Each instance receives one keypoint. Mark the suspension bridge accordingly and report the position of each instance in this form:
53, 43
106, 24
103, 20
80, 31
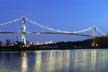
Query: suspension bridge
52, 30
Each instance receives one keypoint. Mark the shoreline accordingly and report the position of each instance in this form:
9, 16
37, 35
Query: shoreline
12, 48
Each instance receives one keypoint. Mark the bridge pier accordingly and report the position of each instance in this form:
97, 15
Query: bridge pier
94, 37
24, 31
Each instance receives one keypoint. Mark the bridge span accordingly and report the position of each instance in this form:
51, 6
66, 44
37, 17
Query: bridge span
46, 33
53, 31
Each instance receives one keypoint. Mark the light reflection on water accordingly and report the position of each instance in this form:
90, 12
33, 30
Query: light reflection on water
82, 60
24, 65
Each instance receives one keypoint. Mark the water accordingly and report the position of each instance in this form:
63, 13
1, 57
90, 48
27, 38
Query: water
84, 60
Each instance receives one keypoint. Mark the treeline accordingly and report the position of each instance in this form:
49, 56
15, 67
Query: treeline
99, 42
7, 42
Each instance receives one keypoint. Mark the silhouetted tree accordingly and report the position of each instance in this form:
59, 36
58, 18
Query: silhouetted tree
0, 43
8, 42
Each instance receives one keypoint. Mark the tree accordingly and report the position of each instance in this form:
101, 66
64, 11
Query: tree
8, 42
0, 43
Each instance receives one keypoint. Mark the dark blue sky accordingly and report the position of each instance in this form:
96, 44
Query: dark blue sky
69, 15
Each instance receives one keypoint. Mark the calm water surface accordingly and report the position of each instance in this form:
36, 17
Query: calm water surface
84, 60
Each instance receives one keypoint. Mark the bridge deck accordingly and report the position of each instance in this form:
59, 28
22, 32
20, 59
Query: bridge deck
46, 33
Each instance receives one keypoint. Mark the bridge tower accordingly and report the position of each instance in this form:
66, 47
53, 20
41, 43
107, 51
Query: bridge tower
94, 37
24, 30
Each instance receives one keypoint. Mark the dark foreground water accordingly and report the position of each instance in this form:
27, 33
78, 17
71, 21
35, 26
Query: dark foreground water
84, 60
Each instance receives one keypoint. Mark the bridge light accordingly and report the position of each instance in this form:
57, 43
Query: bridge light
38, 33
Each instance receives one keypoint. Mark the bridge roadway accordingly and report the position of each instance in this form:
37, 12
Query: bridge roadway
66, 33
